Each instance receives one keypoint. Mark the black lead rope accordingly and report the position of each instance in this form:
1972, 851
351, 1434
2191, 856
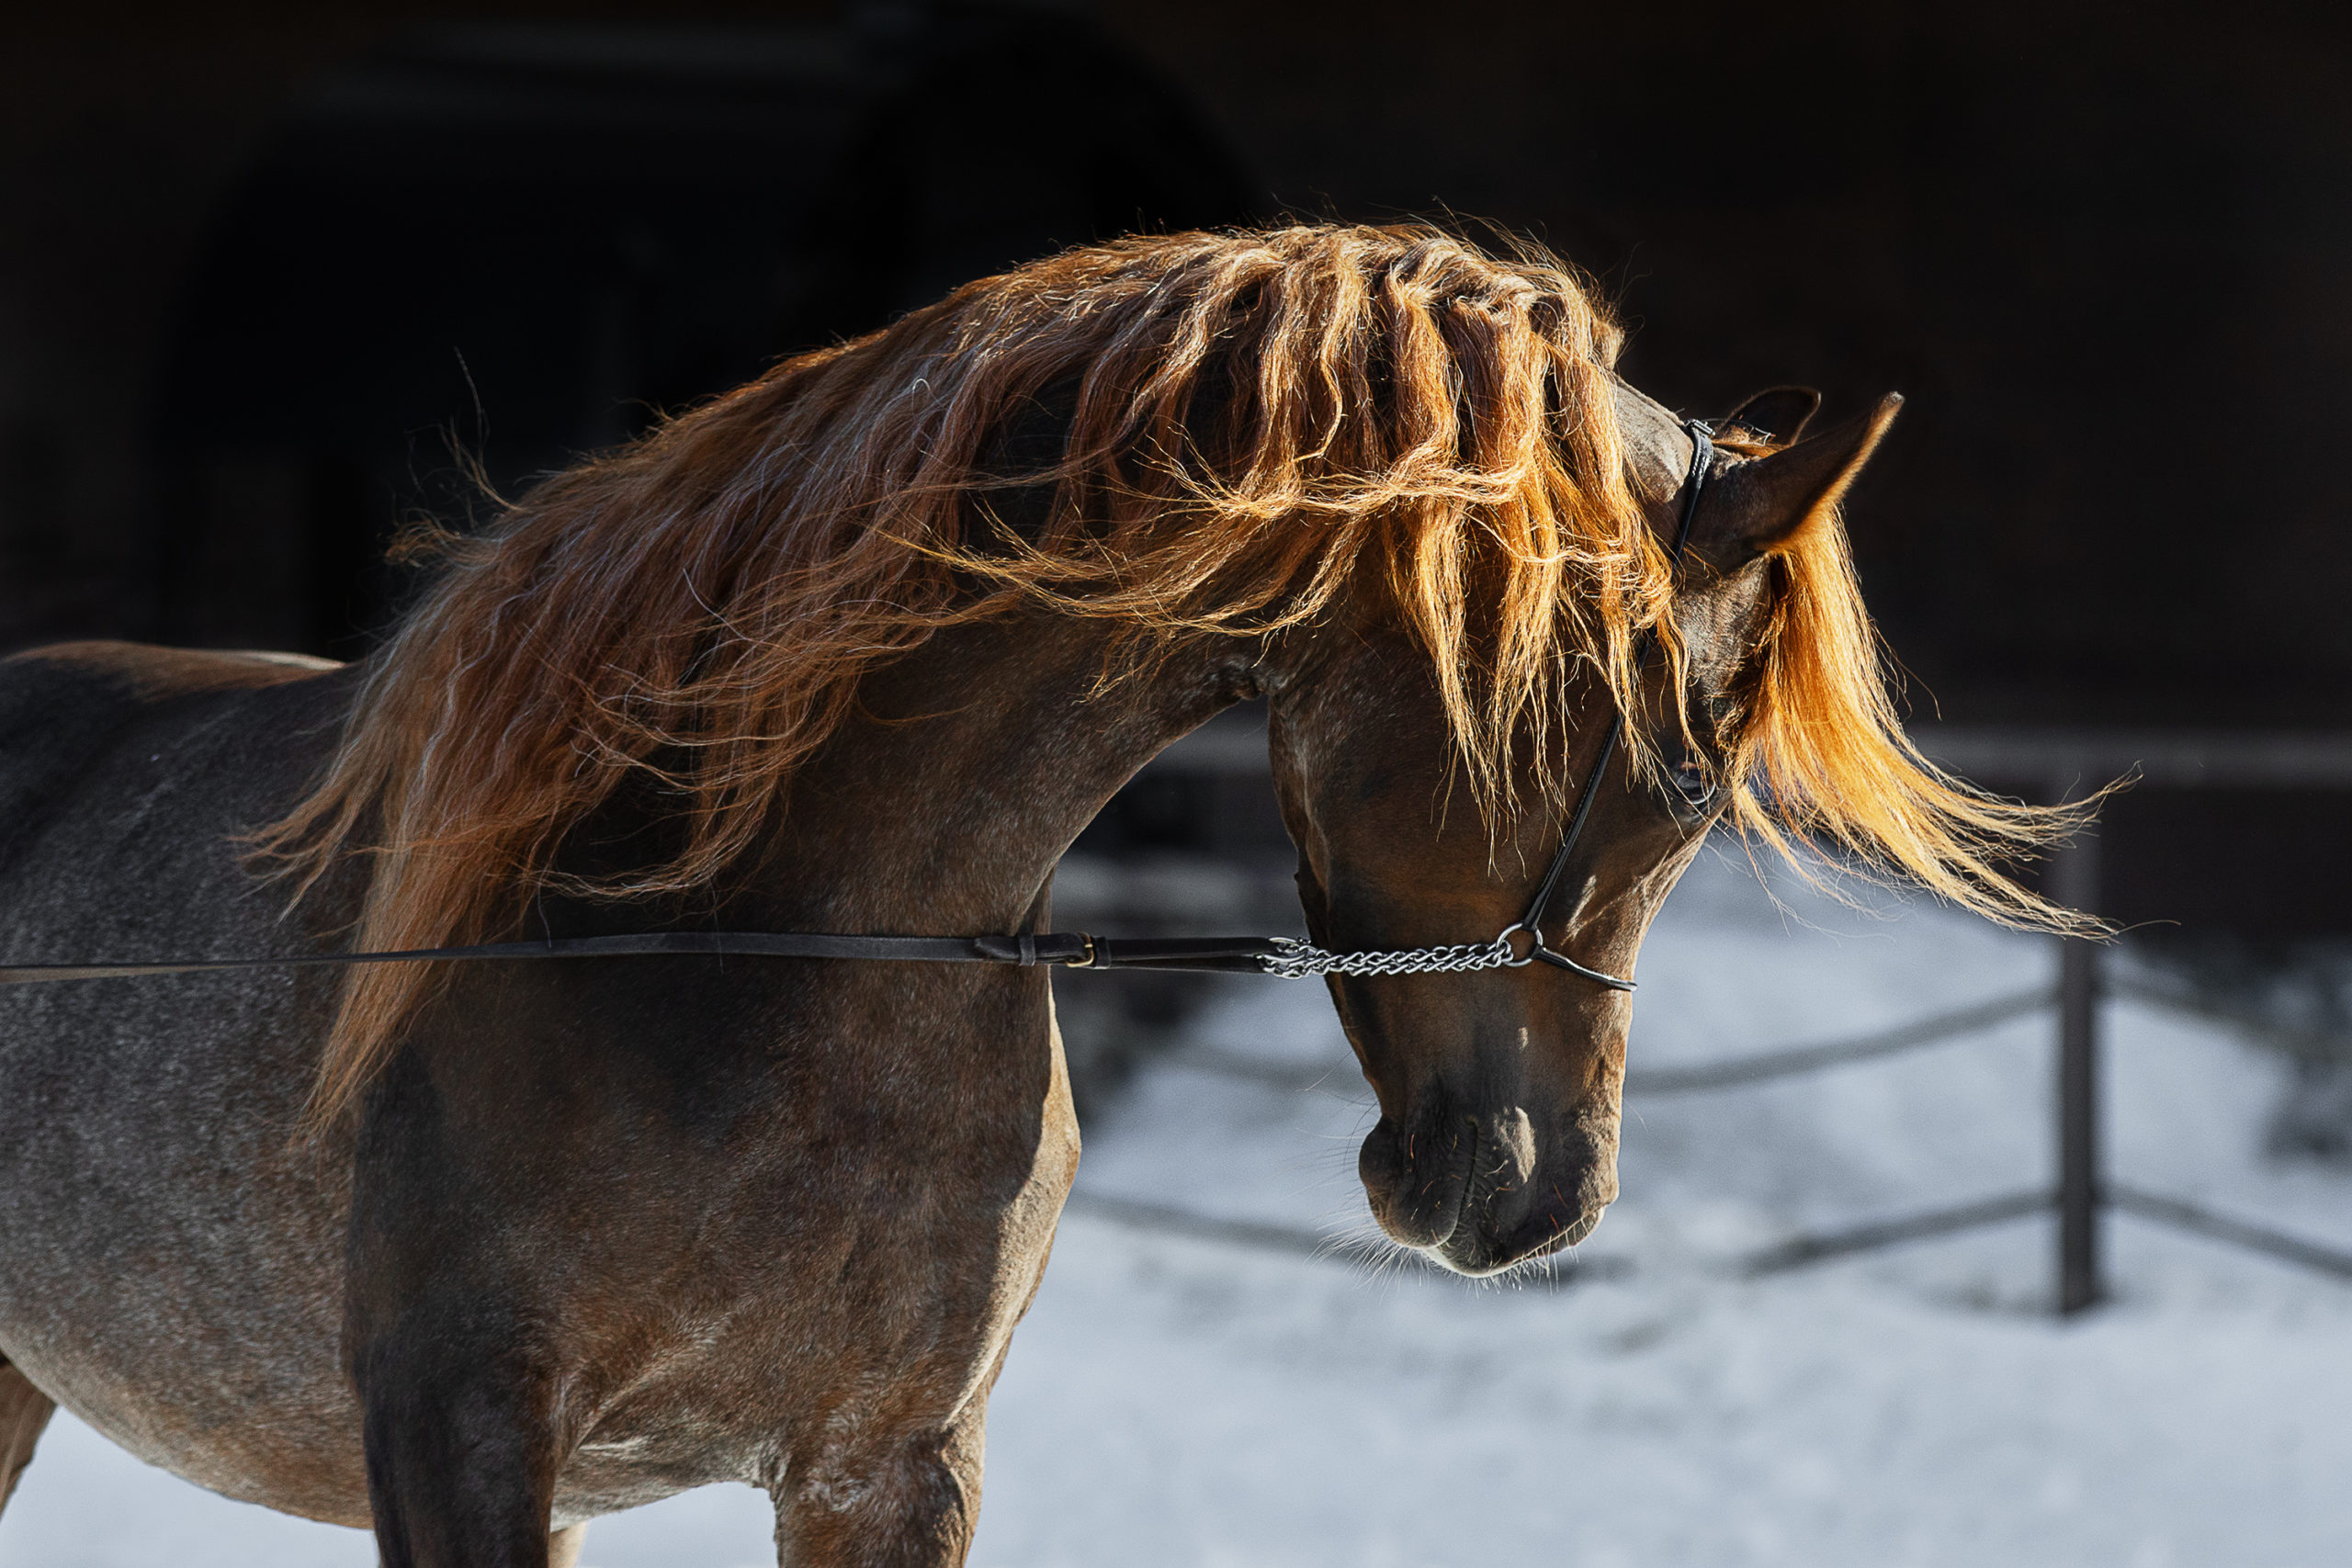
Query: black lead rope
1285, 956
1073, 950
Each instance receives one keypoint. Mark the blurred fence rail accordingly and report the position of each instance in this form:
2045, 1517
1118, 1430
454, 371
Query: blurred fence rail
2060, 765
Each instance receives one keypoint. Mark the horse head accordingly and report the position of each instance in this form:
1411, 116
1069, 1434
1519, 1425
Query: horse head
1498, 1089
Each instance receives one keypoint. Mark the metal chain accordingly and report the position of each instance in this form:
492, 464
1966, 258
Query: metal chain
1298, 959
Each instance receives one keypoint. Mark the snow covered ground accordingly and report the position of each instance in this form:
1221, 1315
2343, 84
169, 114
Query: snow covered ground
1180, 1400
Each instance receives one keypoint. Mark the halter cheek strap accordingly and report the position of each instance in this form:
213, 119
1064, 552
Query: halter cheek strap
1531, 924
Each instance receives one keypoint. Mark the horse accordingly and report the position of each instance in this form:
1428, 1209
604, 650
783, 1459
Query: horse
471, 1253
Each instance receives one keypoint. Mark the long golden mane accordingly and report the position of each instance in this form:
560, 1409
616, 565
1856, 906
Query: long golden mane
1260, 418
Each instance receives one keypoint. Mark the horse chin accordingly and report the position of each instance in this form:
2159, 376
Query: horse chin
1471, 1252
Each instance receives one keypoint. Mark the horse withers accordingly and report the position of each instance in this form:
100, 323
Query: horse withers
473, 1254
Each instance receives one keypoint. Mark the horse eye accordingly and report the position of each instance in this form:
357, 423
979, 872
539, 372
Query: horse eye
1693, 780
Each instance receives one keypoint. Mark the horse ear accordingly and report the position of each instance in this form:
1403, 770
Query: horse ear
1760, 504
1779, 414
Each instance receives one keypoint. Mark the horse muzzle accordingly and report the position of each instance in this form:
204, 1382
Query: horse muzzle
1481, 1189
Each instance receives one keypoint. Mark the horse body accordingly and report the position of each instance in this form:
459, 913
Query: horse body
477, 1259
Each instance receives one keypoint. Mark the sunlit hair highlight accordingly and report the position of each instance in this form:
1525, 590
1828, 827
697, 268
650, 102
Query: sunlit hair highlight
1820, 762
1260, 422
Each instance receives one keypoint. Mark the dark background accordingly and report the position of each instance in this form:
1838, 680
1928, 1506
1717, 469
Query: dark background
266, 269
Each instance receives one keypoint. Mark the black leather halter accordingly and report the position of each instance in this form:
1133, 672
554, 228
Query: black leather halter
1072, 949
1531, 924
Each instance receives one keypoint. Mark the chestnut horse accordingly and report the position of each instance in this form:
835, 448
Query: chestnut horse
476, 1253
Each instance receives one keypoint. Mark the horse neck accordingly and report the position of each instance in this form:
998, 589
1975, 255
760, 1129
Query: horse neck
942, 806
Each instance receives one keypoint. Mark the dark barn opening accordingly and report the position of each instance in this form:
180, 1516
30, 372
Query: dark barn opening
483, 252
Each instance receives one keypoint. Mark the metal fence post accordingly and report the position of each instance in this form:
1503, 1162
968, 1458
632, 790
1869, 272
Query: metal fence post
2074, 881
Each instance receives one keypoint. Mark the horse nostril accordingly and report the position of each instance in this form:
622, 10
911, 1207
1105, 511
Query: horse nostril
1416, 1180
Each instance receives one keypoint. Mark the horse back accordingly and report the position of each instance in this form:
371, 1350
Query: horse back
67, 710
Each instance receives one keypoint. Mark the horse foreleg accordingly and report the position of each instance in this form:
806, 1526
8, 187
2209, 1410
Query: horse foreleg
24, 1411
909, 1504
563, 1546
461, 1462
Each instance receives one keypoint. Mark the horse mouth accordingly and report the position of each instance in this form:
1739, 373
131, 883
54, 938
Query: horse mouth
1475, 1254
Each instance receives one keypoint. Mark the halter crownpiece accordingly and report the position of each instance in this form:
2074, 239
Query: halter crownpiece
1286, 957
